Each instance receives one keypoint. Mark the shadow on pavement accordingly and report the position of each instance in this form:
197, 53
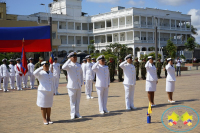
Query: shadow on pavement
104, 115
72, 121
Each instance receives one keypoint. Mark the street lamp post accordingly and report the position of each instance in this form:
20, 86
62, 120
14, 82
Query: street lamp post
156, 41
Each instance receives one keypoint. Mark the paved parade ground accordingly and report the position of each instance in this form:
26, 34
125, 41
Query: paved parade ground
19, 113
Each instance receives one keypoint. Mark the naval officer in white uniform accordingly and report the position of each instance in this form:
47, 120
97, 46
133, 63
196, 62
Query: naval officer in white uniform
151, 79
18, 74
102, 83
56, 74
45, 91
88, 76
129, 81
12, 74
5, 73
170, 80
30, 72
75, 81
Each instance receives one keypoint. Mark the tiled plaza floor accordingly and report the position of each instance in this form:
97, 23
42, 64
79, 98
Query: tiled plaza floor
19, 113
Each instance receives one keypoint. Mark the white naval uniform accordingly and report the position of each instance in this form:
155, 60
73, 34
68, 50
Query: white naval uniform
45, 89
12, 76
171, 78
56, 75
25, 80
129, 83
82, 67
5, 74
30, 74
151, 79
102, 84
88, 77
18, 77
0, 78
75, 81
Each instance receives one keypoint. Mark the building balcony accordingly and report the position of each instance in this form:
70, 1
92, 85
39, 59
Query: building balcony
75, 45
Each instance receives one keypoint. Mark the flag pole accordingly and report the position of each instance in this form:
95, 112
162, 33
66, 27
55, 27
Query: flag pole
50, 23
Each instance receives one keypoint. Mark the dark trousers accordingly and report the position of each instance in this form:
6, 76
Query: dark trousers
178, 69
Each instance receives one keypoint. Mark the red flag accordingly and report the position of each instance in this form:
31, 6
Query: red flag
24, 68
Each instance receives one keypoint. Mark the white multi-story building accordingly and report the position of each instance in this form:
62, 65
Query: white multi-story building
134, 27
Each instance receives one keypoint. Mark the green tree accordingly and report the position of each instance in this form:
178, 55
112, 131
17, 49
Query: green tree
154, 55
193, 29
190, 45
171, 49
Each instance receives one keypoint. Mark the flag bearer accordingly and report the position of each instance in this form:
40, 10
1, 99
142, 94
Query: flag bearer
56, 74
12, 74
5, 74
88, 77
25, 79
30, 72
129, 81
18, 74
75, 81
102, 83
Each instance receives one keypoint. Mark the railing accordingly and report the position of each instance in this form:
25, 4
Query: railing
121, 26
99, 29
114, 27
136, 25
108, 28
129, 25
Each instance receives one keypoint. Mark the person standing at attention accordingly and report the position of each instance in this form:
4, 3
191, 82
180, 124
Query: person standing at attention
129, 81
170, 81
102, 83
151, 79
45, 91
30, 71
75, 81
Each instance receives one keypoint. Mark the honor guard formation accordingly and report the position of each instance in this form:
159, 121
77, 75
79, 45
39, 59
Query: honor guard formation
89, 72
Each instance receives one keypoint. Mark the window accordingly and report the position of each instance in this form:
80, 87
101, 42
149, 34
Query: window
53, 35
1, 15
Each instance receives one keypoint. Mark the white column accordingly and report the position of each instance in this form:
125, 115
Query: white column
175, 24
93, 26
81, 26
118, 22
190, 25
88, 26
133, 36
159, 24
125, 36
105, 24
153, 37
147, 36
81, 39
88, 40
111, 22
74, 39
74, 26
180, 25
66, 25
146, 21
170, 23
112, 38
106, 38
118, 37
140, 35
58, 24
67, 39
185, 25
132, 20
152, 22
140, 21
94, 39
125, 21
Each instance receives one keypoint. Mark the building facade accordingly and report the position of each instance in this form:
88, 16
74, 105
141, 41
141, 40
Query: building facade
134, 27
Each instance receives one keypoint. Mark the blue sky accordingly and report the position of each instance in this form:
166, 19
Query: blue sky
93, 7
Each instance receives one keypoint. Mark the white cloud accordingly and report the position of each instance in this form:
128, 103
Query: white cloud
104, 1
195, 22
136, 3
175, 2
